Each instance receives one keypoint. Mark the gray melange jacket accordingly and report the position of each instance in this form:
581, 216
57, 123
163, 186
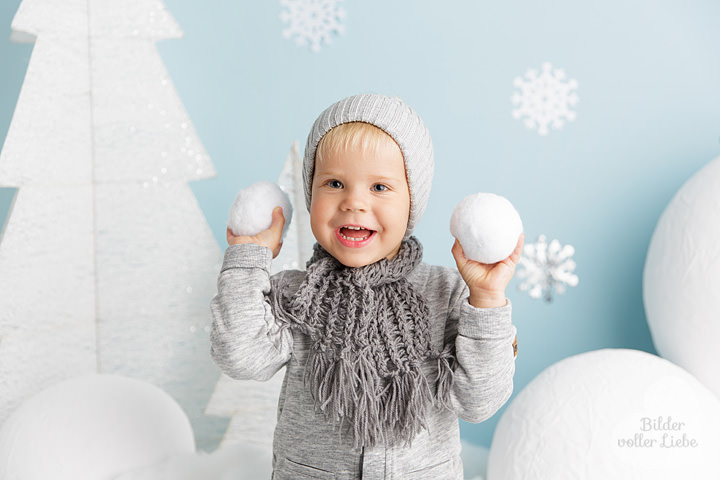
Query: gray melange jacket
249, 343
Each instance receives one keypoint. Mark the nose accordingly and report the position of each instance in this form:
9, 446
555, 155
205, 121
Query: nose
354, 200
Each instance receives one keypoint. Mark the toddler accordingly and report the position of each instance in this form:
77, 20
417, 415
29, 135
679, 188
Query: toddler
382, 352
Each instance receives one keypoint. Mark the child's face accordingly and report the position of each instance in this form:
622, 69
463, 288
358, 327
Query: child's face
360, 203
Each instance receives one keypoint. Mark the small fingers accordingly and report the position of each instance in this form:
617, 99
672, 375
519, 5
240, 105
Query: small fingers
458, 252
278, 220
233, 239
276, 251
517, 253
458, 248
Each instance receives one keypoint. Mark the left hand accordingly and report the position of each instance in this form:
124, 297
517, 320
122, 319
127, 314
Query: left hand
487, 282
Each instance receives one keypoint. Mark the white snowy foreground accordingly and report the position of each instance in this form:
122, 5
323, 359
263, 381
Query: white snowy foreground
237, 462
249, 462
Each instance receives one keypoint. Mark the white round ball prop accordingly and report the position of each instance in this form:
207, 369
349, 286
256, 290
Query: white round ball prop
681, 281
474, 459
92, 427
487, 226
609, 414
251, 212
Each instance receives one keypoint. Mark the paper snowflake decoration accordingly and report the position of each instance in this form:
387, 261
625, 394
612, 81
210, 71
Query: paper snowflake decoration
545, 268
312, 22
545, 99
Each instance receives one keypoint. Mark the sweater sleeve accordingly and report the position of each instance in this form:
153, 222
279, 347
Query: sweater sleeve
485, 360
246, 340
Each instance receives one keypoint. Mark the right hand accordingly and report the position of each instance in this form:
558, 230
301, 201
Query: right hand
270, 238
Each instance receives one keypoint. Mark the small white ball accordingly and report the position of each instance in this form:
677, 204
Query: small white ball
251, 213
487, 226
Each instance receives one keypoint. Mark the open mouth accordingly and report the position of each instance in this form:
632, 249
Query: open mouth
355, 234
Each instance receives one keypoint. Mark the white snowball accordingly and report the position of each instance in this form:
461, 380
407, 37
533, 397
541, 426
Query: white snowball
487, 226
92, 427
609, 414
251, 213
681, 280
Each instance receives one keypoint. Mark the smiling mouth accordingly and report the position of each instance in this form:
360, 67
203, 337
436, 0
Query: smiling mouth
354, 233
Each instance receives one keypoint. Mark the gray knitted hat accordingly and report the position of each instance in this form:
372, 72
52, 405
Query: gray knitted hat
399, 121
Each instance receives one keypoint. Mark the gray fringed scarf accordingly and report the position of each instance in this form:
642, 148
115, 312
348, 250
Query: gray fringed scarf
370, 336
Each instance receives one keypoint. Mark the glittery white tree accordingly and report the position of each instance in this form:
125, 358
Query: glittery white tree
298, 244
546, 268
47, 260
252, 405
107, 262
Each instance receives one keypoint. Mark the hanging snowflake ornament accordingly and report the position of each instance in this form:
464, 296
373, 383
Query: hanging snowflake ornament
545, 99
312, 22
545, 268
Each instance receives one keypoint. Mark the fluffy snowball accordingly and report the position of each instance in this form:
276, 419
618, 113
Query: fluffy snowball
487, 226
251, 213
92, 427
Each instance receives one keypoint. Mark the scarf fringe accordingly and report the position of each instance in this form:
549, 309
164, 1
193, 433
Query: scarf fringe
444, 379
346, 392
405, 406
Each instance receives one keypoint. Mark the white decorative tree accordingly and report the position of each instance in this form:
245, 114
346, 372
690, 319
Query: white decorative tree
298, 244
107, 262
252, 405
47, 258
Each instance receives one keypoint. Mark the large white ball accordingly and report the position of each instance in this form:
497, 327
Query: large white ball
609, 414
251, 212
681, 281
90, 428
474, 459
487, 226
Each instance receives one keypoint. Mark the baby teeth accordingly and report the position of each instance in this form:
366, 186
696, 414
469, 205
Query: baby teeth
354, 228
354, 239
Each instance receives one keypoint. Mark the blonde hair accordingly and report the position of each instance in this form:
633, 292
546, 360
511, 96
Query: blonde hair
352, 135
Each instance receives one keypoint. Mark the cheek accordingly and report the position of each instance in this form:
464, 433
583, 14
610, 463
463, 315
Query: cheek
317, 206
406, 208
318, 215
314, 214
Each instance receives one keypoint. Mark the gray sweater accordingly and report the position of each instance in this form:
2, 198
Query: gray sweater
249, 343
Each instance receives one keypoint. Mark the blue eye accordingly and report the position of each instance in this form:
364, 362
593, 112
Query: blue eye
379, 187
334, 184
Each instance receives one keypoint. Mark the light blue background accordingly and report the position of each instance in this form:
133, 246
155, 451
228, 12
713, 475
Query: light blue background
648, 117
